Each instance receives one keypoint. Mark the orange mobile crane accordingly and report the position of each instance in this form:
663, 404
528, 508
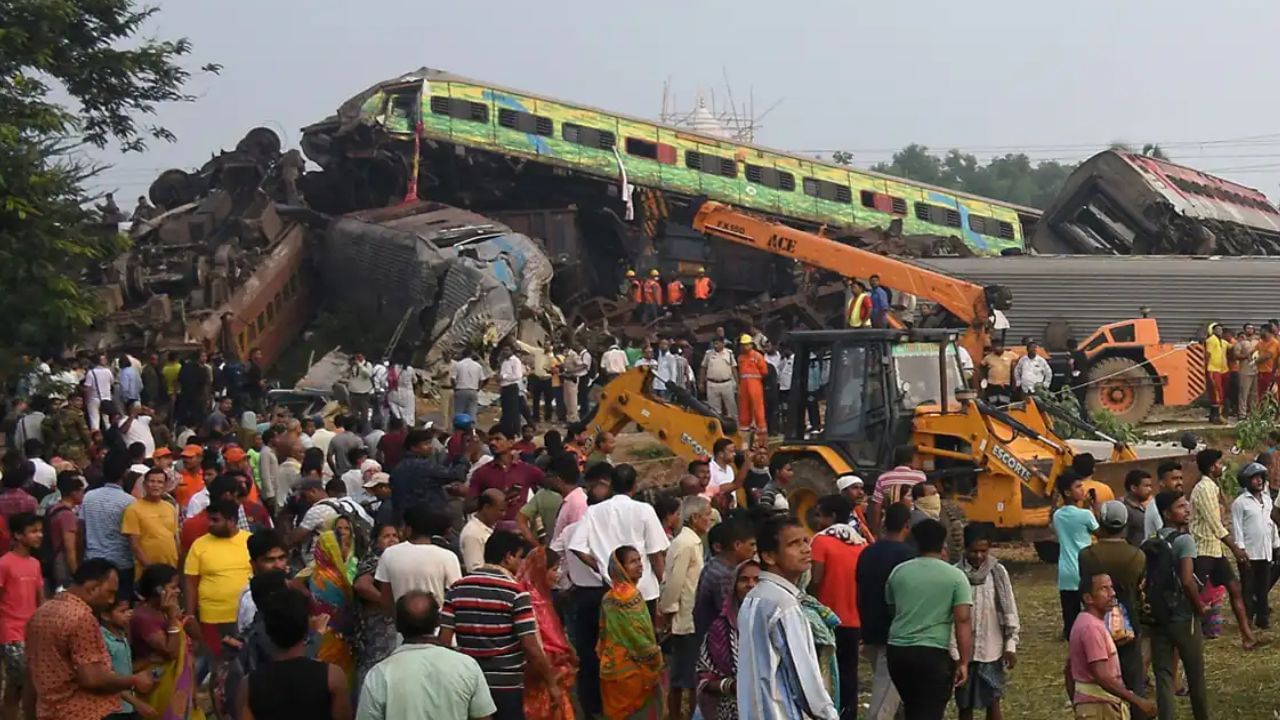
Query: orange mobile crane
959, 304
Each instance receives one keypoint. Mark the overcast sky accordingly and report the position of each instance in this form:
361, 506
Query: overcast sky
1056, 80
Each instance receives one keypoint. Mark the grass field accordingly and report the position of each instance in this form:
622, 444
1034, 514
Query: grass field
1242, 686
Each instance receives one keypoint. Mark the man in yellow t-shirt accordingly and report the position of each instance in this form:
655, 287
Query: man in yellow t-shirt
1216, 348
217, 569
151, 524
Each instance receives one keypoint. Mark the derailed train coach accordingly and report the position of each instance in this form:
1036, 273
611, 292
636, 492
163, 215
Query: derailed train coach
1123, 203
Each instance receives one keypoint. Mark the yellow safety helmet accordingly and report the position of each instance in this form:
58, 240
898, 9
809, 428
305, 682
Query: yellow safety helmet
653, 273
702, 271
631, 273
745, 340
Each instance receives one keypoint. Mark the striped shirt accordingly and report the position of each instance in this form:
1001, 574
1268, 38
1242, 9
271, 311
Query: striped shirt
897, 477
489, 612
103, 512
1206, 519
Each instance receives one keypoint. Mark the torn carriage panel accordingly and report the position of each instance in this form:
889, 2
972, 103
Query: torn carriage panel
1122, 203
468, 279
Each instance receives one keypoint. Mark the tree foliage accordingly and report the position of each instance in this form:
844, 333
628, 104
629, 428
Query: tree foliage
1011, 177
88, 52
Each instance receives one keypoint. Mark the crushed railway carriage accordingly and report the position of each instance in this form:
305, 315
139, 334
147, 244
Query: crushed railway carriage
1121, 203
448, 118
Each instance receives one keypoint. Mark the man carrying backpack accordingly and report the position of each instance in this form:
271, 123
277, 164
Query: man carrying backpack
1173, 607
1113, 556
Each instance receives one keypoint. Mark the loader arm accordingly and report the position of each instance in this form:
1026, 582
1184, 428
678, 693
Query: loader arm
965, 301
689, 430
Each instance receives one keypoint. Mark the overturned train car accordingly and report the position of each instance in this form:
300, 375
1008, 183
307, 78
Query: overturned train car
1122, 203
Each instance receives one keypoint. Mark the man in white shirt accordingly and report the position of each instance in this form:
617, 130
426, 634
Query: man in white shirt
614, 362
97, 390
491, 506
468, 375
720, 379
45, 475
319, 435
135, 426
510, 379
572, 371
723, 473
416, 563
1256, 532
360, 390
604, 528
1032, 371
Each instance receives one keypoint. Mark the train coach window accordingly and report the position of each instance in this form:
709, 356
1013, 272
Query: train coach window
883, 202
937, 215
827, 190
525, 122
587, 137
662, 152
990, 227
459, 108
710, 164
770, 177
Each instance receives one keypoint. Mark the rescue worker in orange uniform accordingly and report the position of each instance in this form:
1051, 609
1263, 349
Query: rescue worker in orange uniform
652, 297
630, 290
703, 287
752, 370
675, 295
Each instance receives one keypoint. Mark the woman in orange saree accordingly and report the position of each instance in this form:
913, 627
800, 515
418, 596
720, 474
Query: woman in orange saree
631, 670
539, 574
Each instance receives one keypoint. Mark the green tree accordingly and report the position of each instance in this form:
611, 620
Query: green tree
1011, 178
88, 52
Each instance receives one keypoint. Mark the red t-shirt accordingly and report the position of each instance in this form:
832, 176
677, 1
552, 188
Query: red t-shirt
515, 482
840, 577
20, 581
193, 529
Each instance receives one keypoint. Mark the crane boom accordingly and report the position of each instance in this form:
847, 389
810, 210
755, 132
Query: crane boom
968, 304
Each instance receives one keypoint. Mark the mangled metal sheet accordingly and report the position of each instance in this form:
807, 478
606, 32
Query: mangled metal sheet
468, 279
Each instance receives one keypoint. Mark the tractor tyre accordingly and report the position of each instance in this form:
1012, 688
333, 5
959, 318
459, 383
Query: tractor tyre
1121, 387
1047, 551
811, 479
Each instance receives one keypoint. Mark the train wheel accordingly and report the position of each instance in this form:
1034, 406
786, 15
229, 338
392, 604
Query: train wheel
1122, 388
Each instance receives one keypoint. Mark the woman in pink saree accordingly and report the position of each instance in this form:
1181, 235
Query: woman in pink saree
539, 573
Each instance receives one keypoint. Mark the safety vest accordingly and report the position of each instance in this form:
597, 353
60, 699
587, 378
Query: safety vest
702, 288
652, 292
635, 290
856, 319
675, 292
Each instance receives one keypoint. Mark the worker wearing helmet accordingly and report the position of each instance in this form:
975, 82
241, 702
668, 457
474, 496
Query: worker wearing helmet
631, 290
752, 370
703, 288
651, 295
1254, 532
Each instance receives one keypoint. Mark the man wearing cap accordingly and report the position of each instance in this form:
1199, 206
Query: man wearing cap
190, 475
853, 488
719, 375
1251, 519
1112, 555
378, 487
